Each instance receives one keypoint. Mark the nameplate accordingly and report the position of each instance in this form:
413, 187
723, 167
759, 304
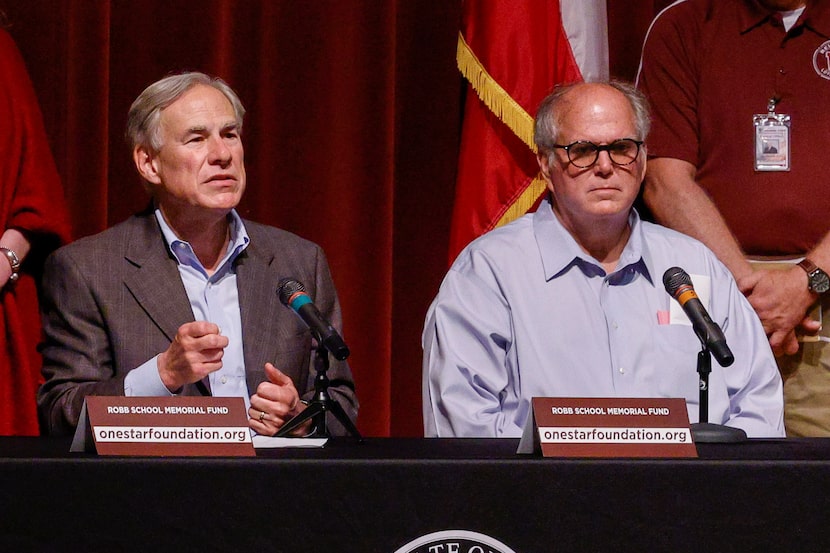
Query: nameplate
608, 427
165, 426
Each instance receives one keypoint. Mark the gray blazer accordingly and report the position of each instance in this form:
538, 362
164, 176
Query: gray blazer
114, 300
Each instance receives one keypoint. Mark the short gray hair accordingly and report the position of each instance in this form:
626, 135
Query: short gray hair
145, 112
546, 125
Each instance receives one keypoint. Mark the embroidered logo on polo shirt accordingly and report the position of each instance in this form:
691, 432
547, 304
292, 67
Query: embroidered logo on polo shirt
821, 60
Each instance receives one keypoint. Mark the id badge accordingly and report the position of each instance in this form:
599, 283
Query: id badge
772, 141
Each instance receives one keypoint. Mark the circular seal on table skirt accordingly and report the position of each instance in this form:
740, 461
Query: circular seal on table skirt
462, 541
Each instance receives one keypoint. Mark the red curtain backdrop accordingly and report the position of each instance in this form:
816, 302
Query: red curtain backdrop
351, 138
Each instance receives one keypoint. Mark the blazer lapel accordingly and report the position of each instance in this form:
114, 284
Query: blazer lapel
257, 303
152, 277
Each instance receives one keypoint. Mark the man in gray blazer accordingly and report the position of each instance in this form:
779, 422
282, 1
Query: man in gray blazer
182, 298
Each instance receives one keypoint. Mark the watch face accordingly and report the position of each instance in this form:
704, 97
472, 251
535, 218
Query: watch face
819, 282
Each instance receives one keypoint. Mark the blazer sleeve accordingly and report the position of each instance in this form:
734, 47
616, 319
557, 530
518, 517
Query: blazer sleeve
77, 358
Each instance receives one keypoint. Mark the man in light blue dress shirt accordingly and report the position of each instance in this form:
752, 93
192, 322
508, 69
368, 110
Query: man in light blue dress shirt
569, 301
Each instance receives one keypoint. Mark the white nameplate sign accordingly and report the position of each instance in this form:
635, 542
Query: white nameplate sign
608, 427
188, 426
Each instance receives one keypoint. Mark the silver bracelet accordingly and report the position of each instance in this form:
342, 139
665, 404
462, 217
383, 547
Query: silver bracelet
14, 261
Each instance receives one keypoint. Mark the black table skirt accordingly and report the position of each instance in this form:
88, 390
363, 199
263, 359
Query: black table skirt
384, 493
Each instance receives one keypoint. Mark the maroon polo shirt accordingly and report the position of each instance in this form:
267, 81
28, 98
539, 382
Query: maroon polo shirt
708, 66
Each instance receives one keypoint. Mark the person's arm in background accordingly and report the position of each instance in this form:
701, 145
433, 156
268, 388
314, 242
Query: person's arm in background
678, 202
31, 195
17, 243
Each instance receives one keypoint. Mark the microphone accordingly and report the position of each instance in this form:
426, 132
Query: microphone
678, 284
292, 294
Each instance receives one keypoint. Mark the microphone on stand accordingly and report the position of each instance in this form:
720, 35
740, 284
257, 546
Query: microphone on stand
292, 294
678, 284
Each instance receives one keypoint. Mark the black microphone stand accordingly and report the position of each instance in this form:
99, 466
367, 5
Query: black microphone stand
320, 404
705, 431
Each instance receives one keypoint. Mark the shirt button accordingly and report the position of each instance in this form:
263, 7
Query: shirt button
622, 370
224, 380
615, 325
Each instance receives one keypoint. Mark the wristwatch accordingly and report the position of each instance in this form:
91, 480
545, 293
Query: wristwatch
14, 261
818, 281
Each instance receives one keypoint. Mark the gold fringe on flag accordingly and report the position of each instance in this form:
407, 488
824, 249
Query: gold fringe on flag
493, 95
524, 202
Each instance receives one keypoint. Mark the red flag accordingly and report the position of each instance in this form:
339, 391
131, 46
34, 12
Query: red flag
513, 52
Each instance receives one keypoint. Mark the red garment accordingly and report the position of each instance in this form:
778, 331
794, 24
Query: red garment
708, 66
31, 200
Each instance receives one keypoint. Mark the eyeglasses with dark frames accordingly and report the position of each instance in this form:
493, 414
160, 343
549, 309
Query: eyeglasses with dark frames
584, 154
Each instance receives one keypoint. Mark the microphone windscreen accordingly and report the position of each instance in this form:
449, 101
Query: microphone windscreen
287, 288
674, 278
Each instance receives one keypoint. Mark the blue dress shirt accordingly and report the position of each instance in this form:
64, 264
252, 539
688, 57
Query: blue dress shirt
213, 298
524, 312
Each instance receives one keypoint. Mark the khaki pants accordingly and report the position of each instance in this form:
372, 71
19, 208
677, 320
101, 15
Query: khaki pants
806, 378
807, 389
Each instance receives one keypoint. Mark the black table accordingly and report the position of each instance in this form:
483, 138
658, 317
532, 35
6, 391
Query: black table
382, 494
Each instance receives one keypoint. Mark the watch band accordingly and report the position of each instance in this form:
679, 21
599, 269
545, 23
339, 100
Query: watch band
808, 266
14, 261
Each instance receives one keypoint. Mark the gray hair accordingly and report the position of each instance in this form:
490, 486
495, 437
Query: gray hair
145, 112
546, 125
